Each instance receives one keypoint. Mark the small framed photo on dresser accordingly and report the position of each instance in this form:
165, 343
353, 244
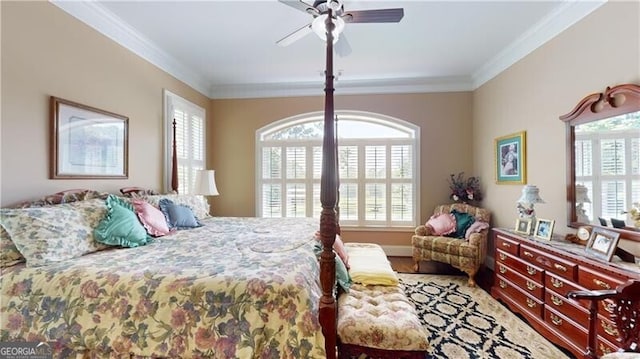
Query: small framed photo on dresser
523, 225
602, 243
544, 228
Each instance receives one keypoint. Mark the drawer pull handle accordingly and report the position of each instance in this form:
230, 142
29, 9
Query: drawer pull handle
503, 285
531, 286
560, 267
556, 320
505, 244
528, 254
503, 269
557, 301
609, 329
602, 284
556, 283
503, 256
609, 307
531, 303
531, 270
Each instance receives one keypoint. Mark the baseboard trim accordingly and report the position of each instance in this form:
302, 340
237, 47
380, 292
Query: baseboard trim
397, 251
407, 251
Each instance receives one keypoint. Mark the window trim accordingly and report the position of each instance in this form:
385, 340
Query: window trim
170, 101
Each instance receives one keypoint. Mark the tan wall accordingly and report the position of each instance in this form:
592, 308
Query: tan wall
446, 138
46, 52
601, 50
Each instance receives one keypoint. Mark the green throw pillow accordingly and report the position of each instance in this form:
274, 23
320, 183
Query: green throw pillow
120, 226
342, 274
463, 222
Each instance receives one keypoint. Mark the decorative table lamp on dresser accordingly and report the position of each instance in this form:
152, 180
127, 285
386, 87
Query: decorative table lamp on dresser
530, 196
206, 183
582, 197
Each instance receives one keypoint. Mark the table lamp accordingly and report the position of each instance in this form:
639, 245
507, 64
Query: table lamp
530, 196
582, 197
206, 183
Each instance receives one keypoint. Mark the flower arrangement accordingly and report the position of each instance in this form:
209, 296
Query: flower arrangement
464, 190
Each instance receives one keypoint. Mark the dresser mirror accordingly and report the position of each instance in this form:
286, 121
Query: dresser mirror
603, 157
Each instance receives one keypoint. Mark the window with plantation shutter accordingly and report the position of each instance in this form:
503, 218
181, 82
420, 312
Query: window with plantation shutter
190, 140
608, 163
377, 164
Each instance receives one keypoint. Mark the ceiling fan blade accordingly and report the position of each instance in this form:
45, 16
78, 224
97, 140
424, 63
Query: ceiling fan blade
295, 36
301, 5
342, 47
380, 15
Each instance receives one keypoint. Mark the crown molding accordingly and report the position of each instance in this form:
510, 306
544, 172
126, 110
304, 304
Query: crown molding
344, 87
551, 25
106, 23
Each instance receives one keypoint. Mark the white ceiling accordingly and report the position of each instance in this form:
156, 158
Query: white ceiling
227, 49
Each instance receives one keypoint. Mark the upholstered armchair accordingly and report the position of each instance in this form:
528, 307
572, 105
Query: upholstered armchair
455, 234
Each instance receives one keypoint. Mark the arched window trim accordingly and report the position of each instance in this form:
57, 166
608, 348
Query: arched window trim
413, 139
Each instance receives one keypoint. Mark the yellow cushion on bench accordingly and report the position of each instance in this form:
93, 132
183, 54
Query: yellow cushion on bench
369, 265
380, 317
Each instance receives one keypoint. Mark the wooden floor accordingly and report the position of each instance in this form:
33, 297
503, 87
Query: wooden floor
484, 278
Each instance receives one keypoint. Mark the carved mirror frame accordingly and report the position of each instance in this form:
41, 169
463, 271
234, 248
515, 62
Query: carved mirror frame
614, 101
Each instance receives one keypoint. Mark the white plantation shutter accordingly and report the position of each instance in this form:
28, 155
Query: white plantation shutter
584, 156
608, 163
377, 166
190, 140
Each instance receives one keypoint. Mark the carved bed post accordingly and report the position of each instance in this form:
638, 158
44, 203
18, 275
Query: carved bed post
328, 219
174, 161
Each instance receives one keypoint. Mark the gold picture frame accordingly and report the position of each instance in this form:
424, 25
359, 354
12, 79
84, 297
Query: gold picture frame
523, 226
544, 228
511, 158
87, 143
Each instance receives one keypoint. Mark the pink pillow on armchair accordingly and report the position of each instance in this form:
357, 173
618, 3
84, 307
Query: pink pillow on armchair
151, 218
442, 224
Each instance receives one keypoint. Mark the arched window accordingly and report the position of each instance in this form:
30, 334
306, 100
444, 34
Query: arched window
377, 160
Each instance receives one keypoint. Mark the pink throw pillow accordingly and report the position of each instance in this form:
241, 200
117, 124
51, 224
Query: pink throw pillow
338, 246
151, 218
476, 227
442, 224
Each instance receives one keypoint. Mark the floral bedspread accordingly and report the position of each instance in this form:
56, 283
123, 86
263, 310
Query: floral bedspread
234, 288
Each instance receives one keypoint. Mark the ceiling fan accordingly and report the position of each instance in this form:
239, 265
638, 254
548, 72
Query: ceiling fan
320, 11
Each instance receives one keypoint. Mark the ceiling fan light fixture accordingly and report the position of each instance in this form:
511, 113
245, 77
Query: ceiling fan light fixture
319, 27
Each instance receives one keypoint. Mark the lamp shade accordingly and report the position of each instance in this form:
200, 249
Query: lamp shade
530, 194
582, 195
320, 28
206, 183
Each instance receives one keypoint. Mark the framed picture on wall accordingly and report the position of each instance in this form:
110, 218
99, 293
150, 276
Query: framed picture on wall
510, 159
87, 142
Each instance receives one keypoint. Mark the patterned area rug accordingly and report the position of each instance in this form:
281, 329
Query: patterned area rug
465, 322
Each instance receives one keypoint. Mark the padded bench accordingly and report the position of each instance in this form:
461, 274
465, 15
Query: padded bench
377, 320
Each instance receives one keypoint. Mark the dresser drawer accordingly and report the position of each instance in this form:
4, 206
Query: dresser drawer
549, 262
528, 303
526, 284
570, 329
527, 269
560, 285
607, 328
591, 279
568, 307
507, 245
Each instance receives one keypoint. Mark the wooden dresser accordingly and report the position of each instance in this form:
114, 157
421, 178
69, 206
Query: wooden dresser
533, 276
